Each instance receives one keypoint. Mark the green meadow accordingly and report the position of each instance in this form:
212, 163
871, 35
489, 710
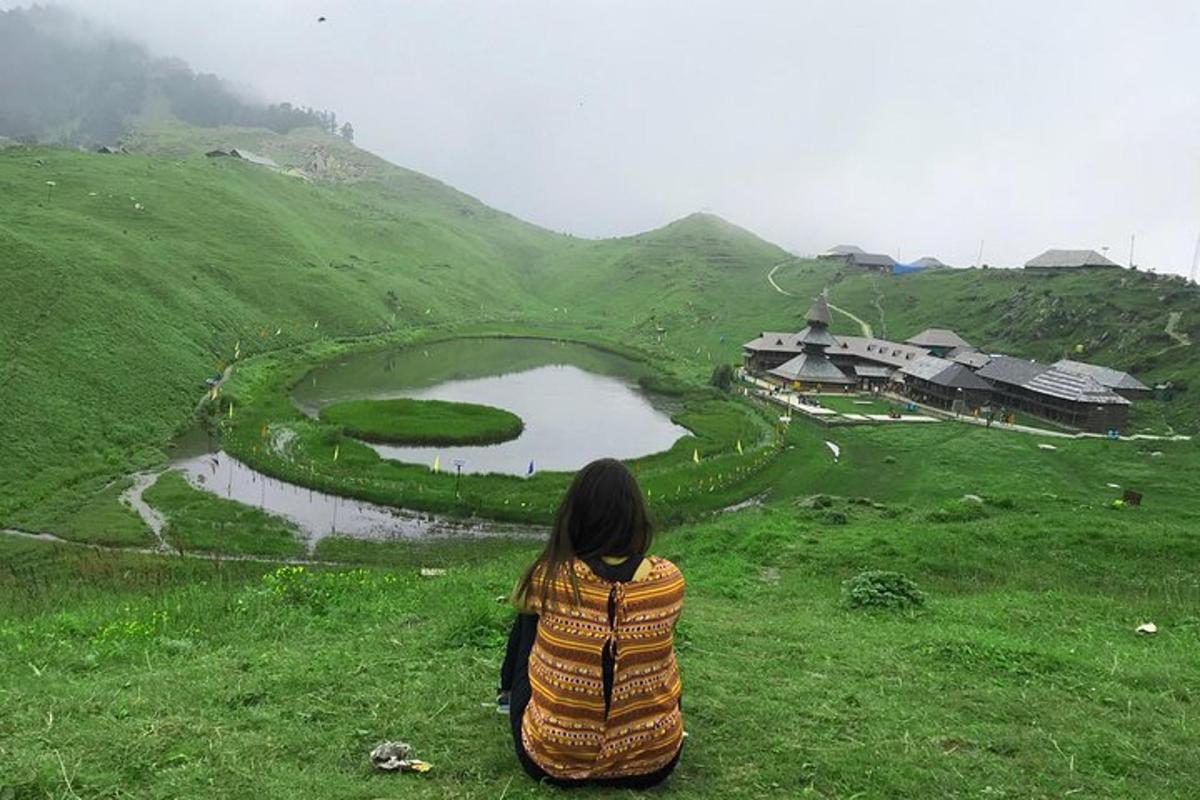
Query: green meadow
407, 421
219, 669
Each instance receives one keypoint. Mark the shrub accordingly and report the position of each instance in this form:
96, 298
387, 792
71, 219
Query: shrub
722, 377
815, 501
317, 591
836, 518
663, 384
881, 589
958, 511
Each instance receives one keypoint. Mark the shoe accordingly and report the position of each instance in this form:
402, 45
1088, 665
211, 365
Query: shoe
503, 702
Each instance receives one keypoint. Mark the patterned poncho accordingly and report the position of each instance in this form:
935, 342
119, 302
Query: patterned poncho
571, 729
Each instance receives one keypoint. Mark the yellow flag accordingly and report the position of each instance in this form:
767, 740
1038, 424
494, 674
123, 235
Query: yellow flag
739, 447
231, 410
696, 456
337, 448
437, 463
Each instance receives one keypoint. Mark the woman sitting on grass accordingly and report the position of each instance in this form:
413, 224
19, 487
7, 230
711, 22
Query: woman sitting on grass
590, 675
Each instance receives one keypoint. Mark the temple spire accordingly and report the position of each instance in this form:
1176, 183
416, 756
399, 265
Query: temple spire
818, 313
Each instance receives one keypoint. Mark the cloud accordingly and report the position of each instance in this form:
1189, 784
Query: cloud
914, 128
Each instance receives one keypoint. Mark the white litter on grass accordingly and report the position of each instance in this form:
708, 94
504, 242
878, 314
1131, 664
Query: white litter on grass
1113, 485
785, 420
1147, 628
1046, 447
432, 572
837, 451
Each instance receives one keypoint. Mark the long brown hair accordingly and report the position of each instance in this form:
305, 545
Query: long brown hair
602, 514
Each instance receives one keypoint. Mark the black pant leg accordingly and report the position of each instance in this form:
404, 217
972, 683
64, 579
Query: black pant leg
511, 650
514, 678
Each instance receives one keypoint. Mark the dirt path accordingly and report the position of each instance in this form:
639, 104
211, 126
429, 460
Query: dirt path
1172, 323
877, 301
168, 552
862, 323
866, 328
771, 279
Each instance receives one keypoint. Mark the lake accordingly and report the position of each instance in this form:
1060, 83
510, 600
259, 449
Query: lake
578, 403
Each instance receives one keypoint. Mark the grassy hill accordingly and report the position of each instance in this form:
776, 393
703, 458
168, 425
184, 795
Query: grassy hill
1022, 675
132, 278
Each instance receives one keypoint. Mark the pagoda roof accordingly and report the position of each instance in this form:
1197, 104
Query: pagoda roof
811, 368
818, 312
816, 335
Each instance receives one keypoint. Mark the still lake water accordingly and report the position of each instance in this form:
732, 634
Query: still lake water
577, 403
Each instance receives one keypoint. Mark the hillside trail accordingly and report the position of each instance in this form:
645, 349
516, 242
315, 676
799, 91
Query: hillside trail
862, 323
771, 279
170, 552
866, 328
877, 301
1181, 339
1171, 330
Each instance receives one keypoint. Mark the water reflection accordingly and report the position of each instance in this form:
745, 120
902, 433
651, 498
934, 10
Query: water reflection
577, 403
319, 515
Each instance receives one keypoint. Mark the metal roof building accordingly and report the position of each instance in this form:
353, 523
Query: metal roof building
943, 383
1055, 394
1069, 260
873, 261
969, 358
879, 351
939, 341
1122, 383
839, 252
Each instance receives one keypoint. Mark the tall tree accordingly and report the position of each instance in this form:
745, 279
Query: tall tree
348, 132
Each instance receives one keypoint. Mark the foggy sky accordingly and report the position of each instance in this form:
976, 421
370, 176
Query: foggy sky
913, 128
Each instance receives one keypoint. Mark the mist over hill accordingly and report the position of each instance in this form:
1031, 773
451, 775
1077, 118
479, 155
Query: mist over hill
65, 80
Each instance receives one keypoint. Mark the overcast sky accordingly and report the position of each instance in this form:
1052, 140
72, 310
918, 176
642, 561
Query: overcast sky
916, 127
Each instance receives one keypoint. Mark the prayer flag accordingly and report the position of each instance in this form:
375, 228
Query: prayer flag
231, 410
437, 463
739, 447
696, 456
529, 471
337, 448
